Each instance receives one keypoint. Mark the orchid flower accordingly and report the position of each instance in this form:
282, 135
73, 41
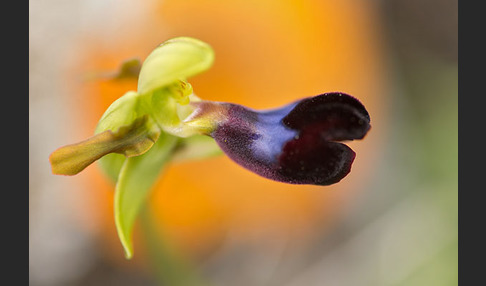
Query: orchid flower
299, 143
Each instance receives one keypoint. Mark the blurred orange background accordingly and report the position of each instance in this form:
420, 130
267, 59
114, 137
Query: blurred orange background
268, 53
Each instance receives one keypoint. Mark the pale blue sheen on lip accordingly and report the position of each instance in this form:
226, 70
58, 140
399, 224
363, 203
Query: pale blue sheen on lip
272, 133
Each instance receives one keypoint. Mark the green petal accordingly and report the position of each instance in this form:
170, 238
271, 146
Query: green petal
175, 59
135, 180
130, 140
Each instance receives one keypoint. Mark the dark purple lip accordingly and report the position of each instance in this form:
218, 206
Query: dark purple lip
297, 143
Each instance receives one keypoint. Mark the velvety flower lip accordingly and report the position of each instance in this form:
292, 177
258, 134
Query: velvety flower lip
297, 143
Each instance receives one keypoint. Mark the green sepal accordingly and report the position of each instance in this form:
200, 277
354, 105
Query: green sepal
175, 59
196, 147
136, 179
111, 165
122, 111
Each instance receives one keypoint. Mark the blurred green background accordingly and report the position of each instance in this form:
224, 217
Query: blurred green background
392, 222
